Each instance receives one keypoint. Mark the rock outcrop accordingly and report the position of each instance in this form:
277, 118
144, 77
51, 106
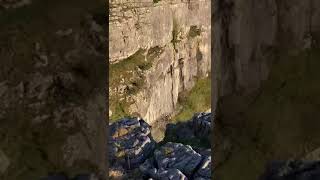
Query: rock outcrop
198, 130
130, 142
161, 47
132, 147
178, 156
179, 161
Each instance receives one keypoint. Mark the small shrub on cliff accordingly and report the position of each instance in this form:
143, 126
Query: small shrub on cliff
194, 31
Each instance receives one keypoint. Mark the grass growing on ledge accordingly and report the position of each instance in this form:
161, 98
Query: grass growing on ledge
129, 72
125, 70
198, 99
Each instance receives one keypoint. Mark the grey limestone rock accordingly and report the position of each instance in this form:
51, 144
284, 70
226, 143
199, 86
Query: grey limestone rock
177, 161
204, 171
171, 174
130, 141
179, 156
202, 125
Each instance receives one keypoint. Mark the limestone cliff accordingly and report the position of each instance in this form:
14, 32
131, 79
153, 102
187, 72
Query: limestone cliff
157, 49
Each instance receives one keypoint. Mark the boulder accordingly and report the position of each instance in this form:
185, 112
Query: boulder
177, 161
130, 141
202, 124
195, 132
204, 171
172, 174
179, 156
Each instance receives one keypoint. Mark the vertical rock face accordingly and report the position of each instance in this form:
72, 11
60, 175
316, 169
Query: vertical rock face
245, 32
170, 39
249, 33
265, 55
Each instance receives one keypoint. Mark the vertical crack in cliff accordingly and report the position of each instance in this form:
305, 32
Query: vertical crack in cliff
172, 87
180, 66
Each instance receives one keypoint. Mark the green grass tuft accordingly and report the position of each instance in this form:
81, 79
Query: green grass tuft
130, 71
196, 100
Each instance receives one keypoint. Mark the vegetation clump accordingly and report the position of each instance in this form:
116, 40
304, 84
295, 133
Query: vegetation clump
156, 1
198, 99
194, 31
129, 73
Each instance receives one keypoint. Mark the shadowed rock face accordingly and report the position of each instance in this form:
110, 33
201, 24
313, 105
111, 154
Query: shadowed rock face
78, 177
265, 55
52, 90
198, 130
292, 170
248, 34
14, 3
